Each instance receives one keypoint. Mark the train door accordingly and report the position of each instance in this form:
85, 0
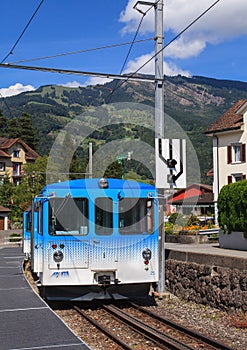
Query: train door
26, 236
37, 235
104, 252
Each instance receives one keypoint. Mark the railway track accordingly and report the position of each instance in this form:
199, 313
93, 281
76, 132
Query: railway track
157, 332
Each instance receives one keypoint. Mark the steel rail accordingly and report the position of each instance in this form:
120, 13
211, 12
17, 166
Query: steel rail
108, 333
183, 329
162, 340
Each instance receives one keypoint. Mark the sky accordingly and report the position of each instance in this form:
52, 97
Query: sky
214, 46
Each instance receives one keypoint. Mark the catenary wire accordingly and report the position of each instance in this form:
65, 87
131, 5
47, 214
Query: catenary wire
22, 33
169, 43
14, 46
130, 76
81, 51
108, 98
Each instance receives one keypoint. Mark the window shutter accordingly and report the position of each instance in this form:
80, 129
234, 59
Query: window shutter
243, 153
229, 154
243, 177
229, 179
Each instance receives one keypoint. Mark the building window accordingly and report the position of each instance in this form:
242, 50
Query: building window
16, 153
236, 178
2, 166
236, 153
16, 169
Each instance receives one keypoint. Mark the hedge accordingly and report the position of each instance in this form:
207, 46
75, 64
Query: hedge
232, 207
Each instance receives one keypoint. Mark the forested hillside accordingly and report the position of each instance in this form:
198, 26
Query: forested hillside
193, 102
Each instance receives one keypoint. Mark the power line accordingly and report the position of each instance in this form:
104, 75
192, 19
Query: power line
108, 98
81, 51
22, 33
126, 77
178, 35
169, 43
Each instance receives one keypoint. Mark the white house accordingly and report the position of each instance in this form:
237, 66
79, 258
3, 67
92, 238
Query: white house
229, 134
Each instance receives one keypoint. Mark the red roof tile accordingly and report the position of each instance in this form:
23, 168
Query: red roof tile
230, 120
195, 191
3, 209
4, 154
7, 143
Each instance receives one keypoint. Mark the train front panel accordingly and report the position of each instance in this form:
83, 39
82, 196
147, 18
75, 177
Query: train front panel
100, 237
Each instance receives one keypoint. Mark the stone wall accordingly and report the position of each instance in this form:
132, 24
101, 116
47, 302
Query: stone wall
220, 287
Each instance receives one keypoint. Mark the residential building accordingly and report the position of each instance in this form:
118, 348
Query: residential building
196, 199
4, 212
14, 153
229, 134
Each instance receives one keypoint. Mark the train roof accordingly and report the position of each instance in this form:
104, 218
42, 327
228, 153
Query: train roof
94, 183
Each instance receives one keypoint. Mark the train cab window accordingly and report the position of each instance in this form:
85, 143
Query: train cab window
103, 216
38, 210
68, 216
136, 216
29, 221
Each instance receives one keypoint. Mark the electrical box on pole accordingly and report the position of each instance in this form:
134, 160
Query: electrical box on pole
171, 163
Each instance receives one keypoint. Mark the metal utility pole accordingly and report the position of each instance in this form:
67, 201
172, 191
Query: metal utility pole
159, 75
159, 128
90, 163
159, 122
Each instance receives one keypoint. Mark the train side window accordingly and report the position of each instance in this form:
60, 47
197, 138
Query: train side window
38, 209
136, 216
29, 221
103, 216
68, 216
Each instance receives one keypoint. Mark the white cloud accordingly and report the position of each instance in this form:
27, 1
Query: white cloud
182, 48
15, 89
72, 84
96, 80
226, 20
169, 68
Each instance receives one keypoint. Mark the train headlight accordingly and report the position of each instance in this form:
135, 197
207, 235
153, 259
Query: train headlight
147, 254
103, 183
58, 256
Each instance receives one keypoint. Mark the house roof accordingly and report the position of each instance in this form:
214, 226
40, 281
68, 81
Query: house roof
6, 143
195, 193
4, 154
232, 119
3, 209
210, 172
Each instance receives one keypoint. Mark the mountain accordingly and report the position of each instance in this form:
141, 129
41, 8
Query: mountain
192, 102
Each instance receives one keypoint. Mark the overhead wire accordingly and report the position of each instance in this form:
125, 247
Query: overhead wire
128, 77
22, 33
169, 43
108, 98
14, 46
81, 51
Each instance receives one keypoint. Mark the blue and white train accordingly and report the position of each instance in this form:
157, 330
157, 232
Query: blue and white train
93, 239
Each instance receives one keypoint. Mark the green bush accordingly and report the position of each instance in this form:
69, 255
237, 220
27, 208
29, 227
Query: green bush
169, 228
232, 207
15, 237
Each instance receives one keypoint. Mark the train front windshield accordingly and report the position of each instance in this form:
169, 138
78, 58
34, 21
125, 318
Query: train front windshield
136, 216
68, 216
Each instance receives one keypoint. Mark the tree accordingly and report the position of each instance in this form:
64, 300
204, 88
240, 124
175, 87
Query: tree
13, 128
7, 189
3, 125
23, 128
27, 132
33, 180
